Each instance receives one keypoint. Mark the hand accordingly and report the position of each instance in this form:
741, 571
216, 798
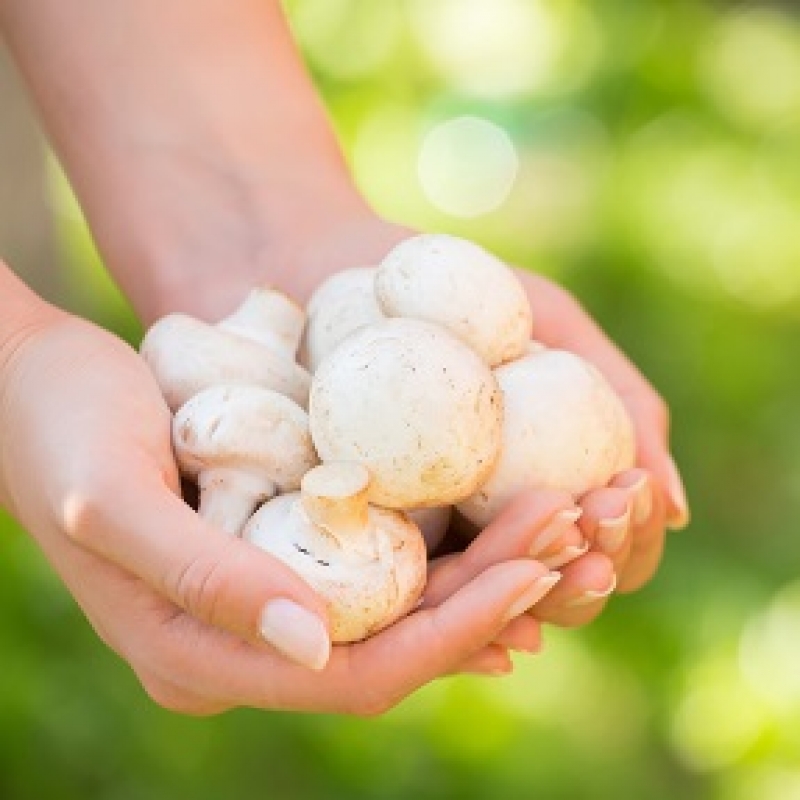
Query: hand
86, 466
624, 523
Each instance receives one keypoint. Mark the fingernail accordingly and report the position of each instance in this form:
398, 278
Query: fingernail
678, 516
533, 594
295, 632
592, 596
642, 498
611, 533
558, 526
566, 556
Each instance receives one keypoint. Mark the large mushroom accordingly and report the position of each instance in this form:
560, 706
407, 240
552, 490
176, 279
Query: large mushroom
241, 444
255, 345
413, 404
455, 283
367, 563
564, 428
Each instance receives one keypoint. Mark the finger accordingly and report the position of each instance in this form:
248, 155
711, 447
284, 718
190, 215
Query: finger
568, 547
647, 547
368, 677
493, 661
531, 521
651, 422
606, 523
581, 594
638, 484
148, 531
523, 634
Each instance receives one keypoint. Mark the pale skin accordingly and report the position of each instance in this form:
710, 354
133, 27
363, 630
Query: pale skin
205, 163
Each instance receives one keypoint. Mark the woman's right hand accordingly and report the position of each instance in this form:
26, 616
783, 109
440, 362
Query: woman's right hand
206, 621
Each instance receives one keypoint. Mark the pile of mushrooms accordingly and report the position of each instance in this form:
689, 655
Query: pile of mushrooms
418, 390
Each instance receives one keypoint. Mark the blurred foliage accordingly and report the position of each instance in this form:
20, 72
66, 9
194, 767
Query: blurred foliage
647, 154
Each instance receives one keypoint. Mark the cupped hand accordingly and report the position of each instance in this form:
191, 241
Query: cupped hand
207, 621
623, 525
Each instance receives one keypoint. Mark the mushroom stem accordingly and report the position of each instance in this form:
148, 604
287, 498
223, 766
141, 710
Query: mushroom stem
229, 497
269, 318
334, 497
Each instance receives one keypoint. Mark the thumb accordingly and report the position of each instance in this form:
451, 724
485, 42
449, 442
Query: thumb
221, 580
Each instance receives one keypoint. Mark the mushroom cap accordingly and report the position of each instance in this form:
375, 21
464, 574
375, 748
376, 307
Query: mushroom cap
564, 428
245, 428
459, 285
340, 305
268, 317
413, 404
187, 356
365, 588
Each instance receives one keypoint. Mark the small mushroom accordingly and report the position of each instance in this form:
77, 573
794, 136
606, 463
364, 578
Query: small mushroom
413, 404
367, 563
342, 304
564, 428
241, 444
255, 345
457, 284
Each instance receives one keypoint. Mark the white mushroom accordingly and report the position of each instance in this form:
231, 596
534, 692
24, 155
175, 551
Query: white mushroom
340, 305
367, 563
461, 286
413, 404
254, 345
564, 428
241, 444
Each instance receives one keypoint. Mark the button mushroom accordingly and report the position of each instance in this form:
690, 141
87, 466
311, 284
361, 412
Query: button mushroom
241, 444
413, 404
340, 305
457, 284
564, 428
367, 563
254, 345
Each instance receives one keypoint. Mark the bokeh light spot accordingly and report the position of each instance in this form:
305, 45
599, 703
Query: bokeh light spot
467, 166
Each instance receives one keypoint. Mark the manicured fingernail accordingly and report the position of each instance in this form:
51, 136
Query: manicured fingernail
558, 526
678, 516
642, 498
533, 594
611, 533
566, 556
592, 596
297, 633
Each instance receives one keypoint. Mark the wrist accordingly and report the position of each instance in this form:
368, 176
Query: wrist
290, 239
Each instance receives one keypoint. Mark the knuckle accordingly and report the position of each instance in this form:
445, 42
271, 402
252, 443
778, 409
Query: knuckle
202, 583
659, 411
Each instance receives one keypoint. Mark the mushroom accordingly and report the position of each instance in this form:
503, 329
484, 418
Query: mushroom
340, 305
241, 444
367, 563
461, 286
564, 428
413, 404
254, 345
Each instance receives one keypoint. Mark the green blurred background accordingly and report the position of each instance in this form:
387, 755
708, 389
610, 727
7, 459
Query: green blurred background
647, 155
